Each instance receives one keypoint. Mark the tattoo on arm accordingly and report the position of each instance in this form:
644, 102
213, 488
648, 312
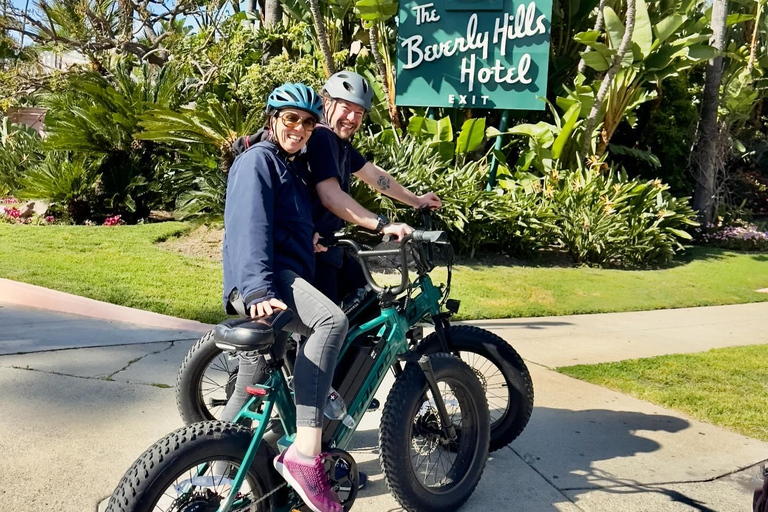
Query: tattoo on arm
383, 182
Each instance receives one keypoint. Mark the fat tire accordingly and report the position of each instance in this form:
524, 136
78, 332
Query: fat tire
189, 401
163, 462
395, 436
468, 338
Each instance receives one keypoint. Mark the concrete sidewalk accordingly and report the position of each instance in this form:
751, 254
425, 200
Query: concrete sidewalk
73, 419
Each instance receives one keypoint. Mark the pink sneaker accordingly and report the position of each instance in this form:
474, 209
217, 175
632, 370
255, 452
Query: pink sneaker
308, 479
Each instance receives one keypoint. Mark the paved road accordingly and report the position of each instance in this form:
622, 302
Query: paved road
73, 419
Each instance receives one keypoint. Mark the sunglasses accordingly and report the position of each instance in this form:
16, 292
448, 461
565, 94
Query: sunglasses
291, 120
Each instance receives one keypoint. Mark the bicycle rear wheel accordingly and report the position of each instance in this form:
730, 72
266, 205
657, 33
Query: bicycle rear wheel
191, 470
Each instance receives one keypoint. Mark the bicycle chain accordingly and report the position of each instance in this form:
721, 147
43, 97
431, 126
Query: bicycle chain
253, 504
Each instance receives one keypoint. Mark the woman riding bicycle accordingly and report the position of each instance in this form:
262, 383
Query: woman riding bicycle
269, 261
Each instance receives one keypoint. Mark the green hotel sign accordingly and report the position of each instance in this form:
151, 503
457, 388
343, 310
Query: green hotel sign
473, 53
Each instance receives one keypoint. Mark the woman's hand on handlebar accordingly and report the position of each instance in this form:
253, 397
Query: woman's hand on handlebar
397, 229
267, 307
429, 200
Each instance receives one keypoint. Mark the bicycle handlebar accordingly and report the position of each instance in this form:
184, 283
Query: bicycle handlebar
418, 236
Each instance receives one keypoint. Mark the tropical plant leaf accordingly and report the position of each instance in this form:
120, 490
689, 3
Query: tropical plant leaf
596, 61
642, 34
700, 52
471, 136
570, 117
668, 26
376, 10
614, 27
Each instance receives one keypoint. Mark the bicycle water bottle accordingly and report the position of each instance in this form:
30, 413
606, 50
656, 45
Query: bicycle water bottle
335, 409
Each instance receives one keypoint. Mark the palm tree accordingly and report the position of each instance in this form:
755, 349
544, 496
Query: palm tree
384, 74
708, 129
319, 22
273, 12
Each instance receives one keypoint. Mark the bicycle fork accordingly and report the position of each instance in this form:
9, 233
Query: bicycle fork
448, 429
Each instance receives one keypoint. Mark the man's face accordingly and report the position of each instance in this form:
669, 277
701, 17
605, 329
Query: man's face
343, 117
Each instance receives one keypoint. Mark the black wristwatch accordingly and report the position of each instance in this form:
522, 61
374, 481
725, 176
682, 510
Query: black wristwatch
383, 221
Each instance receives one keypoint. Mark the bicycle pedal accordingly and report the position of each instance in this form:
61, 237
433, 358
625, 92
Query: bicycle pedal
374, 405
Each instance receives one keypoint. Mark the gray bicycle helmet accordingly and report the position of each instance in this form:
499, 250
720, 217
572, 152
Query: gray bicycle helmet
348, 85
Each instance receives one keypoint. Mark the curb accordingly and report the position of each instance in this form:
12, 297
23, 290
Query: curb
37, 297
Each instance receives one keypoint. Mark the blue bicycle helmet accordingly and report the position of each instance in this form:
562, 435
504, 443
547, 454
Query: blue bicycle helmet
295, 96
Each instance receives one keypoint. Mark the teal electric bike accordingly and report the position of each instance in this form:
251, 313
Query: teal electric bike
435, 427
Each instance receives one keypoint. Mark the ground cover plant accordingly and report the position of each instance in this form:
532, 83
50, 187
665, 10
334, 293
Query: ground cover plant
124, 265
725, 387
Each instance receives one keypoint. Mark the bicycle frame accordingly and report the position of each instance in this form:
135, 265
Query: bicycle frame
390, 327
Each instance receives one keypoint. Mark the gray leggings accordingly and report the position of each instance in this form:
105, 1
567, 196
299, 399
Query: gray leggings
325, 327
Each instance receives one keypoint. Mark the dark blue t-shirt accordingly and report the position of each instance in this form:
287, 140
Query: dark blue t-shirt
328, 156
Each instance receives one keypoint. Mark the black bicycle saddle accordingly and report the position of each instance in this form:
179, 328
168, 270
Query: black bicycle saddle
251, 334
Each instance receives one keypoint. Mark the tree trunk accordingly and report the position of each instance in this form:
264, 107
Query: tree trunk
373, 34
598, 27
708, 130
626, 41
317, 18
273, 12
126, 20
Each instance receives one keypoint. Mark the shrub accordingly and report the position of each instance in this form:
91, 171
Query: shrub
19, 151
597, 217
666, 127
476, 219
750, 189
738, 235
604, 217
68, 183
99, 116
260, 80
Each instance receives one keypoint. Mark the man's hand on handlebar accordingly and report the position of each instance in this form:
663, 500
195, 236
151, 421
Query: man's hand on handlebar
397, 229
429, 200
319, 247
267, 307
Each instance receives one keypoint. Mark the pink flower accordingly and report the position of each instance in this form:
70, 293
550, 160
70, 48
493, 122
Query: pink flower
49, 219
114, 221
13, 213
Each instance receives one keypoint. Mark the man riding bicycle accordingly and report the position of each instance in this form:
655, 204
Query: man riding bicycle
347, 98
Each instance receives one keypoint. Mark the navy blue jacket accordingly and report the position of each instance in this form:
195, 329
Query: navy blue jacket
267, 223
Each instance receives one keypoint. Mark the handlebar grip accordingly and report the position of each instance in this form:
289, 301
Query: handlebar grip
437, 237
328, 242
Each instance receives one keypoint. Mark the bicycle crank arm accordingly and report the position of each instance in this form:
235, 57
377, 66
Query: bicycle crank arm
426, 366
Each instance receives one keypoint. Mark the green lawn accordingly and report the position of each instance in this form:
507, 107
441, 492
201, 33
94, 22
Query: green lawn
123, 265
727, 387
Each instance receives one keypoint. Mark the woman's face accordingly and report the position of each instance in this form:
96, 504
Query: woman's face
292, 128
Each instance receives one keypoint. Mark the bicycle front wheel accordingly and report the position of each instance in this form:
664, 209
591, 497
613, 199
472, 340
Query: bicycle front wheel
425, 470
